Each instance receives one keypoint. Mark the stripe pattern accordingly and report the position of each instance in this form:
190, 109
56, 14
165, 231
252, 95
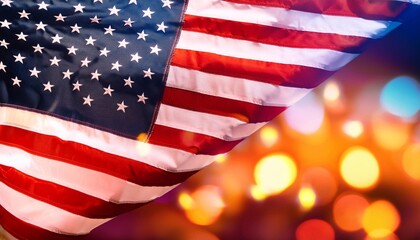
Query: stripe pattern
237, 64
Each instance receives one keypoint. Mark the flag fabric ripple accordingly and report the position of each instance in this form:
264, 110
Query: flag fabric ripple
106, 105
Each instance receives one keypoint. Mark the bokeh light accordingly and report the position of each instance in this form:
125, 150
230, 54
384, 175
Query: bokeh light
348, 211
269, 135
274, 173
307, 115
315, 229
359, 168
204, 206
380, 219
401, 97
389, 132
353, 128
411, 160
322, 183
307, 198
331, 91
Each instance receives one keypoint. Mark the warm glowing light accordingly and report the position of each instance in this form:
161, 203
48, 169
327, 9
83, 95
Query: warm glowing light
269, 136
331, 92
353, 128
221, 158
390, 132
401, 97
380, 219
322, 183
257, 194
315, 229
143, 148
359, 168
185, 201
348, 211
305, 116
307, 198
205, 206
274, 173
389, 237
411, 161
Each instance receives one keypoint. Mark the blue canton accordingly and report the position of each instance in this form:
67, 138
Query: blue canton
101, 63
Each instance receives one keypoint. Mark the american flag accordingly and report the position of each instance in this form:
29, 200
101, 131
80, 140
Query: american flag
106, 105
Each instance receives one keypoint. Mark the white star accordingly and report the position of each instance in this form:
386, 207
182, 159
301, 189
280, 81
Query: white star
90, 41
104, 52
133, 2
4, 44
16, 81
161, 27
123, 43
167, 3
88, 100
34, 72
21, 36
67, 74
5, 24
109, 30
121, 106
43, 5
38, 48
48, 86
148, 73
135, 57
55, 61
142, 98
19, 58
78, 8
155, 50
75, 28
59, 18
116, 65
6, 3
56, 39
2, 66
142, 35
72, 50
41, 26
147, 13
76, 86
94, 1
95, 19
128, 22
108, 90
85, 62
113, 11
24, 14
128, 82
95, 75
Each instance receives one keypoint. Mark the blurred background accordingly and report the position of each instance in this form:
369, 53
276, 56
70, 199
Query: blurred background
343, 163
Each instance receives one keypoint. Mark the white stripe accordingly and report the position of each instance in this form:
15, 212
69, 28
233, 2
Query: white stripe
410, 1
221, 127
169, 159
234, 88
93, 183
44, 215
290, 19
326, 59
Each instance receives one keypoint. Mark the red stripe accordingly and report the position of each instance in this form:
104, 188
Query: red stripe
243, 111
25, 231
273, 35
190, 141
278, 74
62, 197
87, 157
374, 9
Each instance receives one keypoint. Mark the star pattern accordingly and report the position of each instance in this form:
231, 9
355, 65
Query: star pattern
87, 51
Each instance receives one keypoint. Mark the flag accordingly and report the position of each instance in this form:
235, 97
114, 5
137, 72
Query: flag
107, 105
